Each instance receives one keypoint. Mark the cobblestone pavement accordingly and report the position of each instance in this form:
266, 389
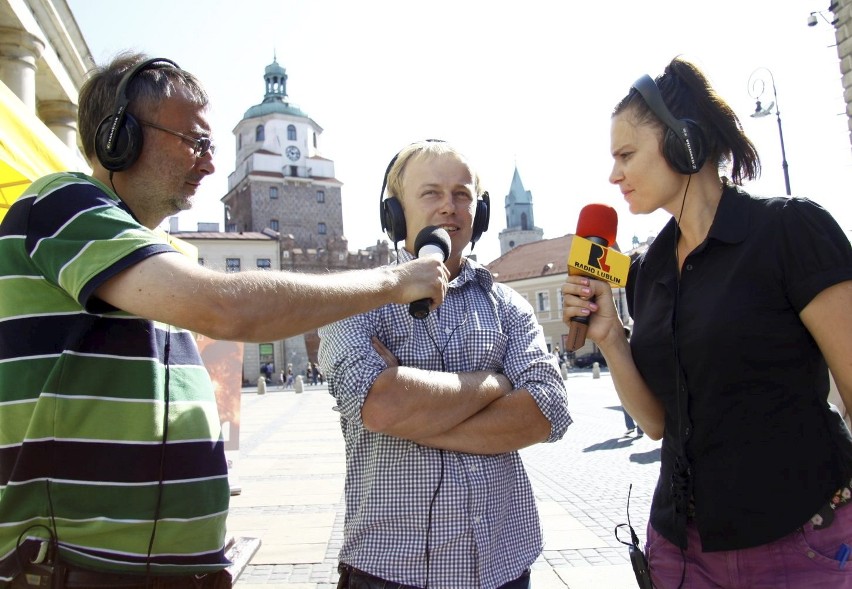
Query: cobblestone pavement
290, 470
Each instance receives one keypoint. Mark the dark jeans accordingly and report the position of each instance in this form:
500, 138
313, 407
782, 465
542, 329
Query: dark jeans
351, 578
76, 578
628, 421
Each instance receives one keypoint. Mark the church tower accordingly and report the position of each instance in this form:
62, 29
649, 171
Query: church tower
282, 182
520, 223
283, 186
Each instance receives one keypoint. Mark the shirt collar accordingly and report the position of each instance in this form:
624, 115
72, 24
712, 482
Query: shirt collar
730, 225
732, 217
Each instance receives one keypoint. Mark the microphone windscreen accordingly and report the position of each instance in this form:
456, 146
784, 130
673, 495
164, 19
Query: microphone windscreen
433, 235
598, 220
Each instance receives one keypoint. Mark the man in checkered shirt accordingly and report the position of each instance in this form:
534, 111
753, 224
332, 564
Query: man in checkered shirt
434, 410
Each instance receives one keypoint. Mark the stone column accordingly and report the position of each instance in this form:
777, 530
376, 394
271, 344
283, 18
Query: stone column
19, 52
60, 116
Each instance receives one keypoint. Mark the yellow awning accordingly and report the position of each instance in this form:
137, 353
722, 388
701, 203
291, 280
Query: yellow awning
28, 149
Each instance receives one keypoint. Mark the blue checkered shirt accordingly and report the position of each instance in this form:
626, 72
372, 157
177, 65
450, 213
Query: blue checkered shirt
484, 527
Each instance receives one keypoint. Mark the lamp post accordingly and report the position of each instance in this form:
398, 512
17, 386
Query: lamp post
756, 88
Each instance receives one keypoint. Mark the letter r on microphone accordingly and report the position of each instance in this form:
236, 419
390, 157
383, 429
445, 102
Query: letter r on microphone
597, 257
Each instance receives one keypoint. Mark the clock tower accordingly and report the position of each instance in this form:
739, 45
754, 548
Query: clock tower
283, 186
281, 181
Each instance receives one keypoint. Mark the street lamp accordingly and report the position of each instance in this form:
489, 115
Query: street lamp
756, 88
812, 19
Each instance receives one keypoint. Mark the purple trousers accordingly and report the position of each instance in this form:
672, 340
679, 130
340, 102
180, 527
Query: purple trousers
806, 558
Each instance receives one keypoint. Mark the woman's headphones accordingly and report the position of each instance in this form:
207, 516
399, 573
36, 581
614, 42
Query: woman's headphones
393, 218
684, 146
118, 140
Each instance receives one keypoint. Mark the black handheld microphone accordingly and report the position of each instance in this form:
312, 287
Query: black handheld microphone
431, 241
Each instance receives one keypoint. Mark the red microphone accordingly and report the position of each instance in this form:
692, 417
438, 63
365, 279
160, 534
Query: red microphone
590, 255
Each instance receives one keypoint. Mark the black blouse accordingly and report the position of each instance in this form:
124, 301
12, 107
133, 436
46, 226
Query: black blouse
762, 451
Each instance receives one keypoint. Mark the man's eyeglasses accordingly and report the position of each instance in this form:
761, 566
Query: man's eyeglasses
200, 145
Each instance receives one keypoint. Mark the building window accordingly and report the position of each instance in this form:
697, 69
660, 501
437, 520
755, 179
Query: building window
291, 132
264, 264
315, 139
232, 264
320, 195
258, 133
240, 141
542, 301
294, 170
321, 228
230, 227
273, 192
273, 224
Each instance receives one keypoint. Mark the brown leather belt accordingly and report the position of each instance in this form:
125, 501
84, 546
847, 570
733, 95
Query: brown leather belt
81, 578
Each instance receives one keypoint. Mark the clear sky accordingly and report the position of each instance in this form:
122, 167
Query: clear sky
530, 83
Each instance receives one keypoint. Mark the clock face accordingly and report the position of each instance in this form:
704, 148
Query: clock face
293, 153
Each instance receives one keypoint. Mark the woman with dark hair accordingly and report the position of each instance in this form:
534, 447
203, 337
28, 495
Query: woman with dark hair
741, 306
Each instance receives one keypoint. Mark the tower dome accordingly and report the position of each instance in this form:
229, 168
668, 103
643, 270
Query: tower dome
275, 98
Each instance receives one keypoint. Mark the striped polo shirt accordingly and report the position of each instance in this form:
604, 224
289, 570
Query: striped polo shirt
109, 432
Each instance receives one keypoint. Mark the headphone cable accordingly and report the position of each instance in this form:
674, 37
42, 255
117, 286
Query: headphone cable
441, 351
680, 460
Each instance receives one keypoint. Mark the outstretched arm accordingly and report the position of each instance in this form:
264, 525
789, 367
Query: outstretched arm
264, 305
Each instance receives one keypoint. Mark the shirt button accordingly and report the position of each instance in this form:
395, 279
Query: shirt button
476, 519
811, 554
472, 468
689, 266
448, 331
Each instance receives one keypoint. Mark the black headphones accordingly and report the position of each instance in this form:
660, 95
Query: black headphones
683, 143
118, 140
393, 217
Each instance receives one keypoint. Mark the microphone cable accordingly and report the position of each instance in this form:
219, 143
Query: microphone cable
161, 482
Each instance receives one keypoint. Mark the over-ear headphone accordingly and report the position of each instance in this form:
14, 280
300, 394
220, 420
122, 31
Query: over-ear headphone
393, 218
684, 146
118, 140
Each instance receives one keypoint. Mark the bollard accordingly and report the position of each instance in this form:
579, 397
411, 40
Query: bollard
261, 385
299, 385
596, 370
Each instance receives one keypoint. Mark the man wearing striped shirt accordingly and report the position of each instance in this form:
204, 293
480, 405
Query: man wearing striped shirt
112, 469
434, 410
